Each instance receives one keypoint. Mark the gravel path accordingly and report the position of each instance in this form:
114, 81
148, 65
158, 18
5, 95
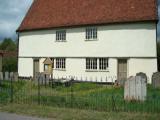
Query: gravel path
8, 116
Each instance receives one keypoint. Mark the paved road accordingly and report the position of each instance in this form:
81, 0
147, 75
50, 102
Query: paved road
8, 116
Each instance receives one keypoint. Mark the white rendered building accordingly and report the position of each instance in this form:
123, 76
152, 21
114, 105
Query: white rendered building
93, 40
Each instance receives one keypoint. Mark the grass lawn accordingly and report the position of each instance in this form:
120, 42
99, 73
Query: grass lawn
74, 114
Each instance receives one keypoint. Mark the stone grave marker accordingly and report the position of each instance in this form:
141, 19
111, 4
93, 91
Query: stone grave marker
143, 75
6, 77
41, 79
135, 89
156, 80
37, 75
121, 82
47, 78
11, 76
15, 76
1, 75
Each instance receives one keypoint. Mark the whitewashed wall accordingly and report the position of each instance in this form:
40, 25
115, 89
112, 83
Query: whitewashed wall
148, 66
25, 67
137, 42
77, 67
127, 40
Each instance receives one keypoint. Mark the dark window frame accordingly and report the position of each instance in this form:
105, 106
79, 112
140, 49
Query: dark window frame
91, 33
61, 35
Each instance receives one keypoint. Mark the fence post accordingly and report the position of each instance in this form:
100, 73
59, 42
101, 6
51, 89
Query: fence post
71, 92
45, 80
11, 84
113, 102
39, 89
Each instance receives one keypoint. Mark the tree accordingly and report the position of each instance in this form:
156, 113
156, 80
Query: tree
9, 62
8, 45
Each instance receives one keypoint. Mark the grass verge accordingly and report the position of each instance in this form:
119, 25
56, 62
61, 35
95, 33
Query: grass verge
74, 114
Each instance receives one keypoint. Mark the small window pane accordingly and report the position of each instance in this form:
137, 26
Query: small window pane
91, 63
61, 35
103, 63
91, 33
60, 63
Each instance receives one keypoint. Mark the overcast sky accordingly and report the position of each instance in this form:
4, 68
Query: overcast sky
13, 11
11, 14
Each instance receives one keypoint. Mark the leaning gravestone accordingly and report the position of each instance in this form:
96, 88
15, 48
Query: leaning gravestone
156, 80
41, 79
6, 76
47, 78
15, 76
135, 89
37, 76
11, 75
1, 75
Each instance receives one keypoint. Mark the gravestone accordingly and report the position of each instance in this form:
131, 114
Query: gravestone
156, 80
41, 78
135, 89
47, 78
11, 75
6, 76
143, 75
121, 82
15, 76
1, 75
37, 76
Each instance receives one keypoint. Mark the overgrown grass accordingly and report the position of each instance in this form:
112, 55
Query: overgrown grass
5, 89
74, 114
83, 96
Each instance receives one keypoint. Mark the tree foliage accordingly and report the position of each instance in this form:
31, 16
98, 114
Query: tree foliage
9, 63
8, 44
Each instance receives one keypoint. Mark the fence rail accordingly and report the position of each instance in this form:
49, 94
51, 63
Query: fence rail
76, 94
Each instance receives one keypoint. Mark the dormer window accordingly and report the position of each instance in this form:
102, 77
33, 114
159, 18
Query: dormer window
61, 35
91, 33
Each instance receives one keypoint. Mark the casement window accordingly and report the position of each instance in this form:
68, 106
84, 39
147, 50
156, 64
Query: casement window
96, 63
91, 63
103, 63
61, 35
60, 63
91, 33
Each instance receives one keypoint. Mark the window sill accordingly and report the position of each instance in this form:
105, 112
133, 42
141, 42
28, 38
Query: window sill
97, 70
104, 70
91, 39
91, 70
61, 41
60, 69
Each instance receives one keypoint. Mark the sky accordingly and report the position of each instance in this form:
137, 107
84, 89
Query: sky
12, 13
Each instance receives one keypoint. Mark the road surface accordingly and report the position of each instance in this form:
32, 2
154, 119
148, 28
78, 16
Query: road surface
9, 116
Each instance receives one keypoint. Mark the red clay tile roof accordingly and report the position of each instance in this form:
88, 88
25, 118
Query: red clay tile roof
46, 14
